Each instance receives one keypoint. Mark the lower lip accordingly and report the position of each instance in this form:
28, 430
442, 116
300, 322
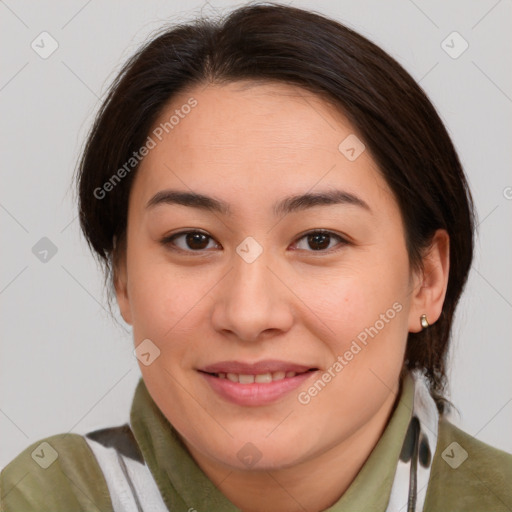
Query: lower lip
255, 394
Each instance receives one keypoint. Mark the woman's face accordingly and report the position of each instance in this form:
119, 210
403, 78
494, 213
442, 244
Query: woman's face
276, 343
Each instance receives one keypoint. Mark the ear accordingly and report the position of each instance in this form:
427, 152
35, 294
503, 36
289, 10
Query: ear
430, 284
120, 277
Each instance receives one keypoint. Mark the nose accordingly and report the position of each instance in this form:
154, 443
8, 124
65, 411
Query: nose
252, 303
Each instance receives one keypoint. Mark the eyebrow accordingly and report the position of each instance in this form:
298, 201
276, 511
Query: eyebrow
287, 205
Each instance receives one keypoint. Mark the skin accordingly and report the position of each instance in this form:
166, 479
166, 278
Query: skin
252, 145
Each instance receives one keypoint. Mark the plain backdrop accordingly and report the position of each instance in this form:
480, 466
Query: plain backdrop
64, 364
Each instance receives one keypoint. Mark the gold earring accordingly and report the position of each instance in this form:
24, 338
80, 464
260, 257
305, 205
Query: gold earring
424, 321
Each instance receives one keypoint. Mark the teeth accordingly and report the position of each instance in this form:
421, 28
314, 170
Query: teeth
262, 378
246, 379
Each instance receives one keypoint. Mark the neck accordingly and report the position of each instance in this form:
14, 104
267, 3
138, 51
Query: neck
312, 485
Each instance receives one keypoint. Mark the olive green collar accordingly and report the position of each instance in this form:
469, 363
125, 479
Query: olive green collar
184, 485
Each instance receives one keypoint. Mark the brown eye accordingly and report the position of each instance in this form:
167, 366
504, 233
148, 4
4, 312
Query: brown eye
189, 241
320, 241
196, 240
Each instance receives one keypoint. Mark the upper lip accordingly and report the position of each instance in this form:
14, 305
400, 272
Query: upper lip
266, 366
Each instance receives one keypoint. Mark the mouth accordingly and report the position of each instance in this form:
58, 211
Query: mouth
259, 378
255, 384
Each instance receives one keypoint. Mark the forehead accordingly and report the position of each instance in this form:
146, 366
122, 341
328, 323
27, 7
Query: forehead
248, 114
258, 140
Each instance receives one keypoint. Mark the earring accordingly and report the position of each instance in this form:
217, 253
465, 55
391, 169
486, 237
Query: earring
424, 322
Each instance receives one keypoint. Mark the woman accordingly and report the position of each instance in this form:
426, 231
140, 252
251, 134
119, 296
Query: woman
287, 227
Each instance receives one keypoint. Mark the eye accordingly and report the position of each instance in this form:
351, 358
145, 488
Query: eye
197, 241
191, 241
320, 241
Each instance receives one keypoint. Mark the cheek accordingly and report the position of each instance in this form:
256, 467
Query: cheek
161, 297
366, 306
367, 316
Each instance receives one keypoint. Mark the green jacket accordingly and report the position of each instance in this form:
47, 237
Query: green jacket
60, 473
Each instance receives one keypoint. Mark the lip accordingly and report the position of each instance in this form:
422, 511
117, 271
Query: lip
255, 394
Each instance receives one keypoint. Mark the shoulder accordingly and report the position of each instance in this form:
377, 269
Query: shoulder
58, 473
468, 474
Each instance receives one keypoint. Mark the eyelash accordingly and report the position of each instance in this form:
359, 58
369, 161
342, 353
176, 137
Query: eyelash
168, 241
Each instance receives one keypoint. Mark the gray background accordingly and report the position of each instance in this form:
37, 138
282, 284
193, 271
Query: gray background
64, 365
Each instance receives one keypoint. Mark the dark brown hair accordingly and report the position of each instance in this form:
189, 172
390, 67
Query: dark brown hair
271, 42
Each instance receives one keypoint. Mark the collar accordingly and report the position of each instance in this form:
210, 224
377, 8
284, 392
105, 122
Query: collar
383, 484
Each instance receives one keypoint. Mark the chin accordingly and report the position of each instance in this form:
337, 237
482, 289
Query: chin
258, 454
